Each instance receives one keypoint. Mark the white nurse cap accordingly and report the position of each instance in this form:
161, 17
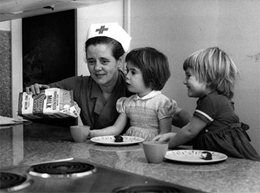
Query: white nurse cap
112, 30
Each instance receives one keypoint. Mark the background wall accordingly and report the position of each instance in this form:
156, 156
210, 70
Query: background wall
5, 26
5, 70
11, 72
178, 28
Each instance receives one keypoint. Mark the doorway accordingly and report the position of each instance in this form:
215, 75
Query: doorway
48, 47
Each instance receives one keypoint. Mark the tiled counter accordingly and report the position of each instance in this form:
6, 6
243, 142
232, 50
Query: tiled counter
33, 144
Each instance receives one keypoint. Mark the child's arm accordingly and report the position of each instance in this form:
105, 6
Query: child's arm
187, 133
165, 125
184, 135
115, 129
181, 118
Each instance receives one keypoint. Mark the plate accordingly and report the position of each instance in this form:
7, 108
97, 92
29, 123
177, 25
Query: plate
194, 156
110, 140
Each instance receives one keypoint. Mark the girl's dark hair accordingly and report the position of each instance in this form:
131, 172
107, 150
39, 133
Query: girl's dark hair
117, 49
153, 64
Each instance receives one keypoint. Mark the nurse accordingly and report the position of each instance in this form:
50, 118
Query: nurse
97, 94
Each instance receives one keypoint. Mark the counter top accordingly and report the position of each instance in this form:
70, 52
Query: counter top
35, 143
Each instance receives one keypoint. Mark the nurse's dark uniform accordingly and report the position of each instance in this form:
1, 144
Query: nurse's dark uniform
95, 112
223, 132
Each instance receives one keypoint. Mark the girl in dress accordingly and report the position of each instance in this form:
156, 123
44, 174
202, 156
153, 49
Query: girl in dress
149, 111
210, 77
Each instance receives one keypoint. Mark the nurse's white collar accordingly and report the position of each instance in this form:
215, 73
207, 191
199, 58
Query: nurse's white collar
151, 94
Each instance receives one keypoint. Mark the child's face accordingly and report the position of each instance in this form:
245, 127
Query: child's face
195, 88
134, 80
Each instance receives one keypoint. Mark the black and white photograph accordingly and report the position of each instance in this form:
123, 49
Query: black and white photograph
113, 96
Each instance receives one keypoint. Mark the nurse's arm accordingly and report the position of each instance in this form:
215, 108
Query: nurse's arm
115, 129
36, 88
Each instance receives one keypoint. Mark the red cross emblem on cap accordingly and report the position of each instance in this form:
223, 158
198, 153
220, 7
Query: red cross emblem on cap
101, 29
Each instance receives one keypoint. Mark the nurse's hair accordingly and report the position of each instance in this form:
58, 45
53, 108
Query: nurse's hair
153, 64
215, 68
117, 48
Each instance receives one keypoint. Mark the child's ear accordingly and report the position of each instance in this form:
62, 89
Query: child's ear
122, 64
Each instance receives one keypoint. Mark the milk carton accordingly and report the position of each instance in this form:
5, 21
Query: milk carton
50, 103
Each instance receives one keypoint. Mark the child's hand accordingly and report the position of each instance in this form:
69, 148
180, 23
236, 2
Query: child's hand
164, 137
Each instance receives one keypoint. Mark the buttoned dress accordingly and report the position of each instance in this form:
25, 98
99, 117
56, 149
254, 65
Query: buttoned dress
95, 111
144, 113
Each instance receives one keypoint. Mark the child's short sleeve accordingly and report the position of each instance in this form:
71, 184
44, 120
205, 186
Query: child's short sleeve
167, 109
205, 109
120, 105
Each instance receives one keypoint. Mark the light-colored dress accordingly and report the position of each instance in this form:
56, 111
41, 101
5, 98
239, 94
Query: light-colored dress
144, 113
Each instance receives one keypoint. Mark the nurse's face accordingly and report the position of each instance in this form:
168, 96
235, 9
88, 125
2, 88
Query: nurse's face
102, 65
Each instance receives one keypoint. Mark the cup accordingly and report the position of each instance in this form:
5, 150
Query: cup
79, 132
154, 151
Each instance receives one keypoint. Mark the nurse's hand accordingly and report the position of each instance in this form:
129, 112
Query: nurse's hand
36, 88
166, 137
